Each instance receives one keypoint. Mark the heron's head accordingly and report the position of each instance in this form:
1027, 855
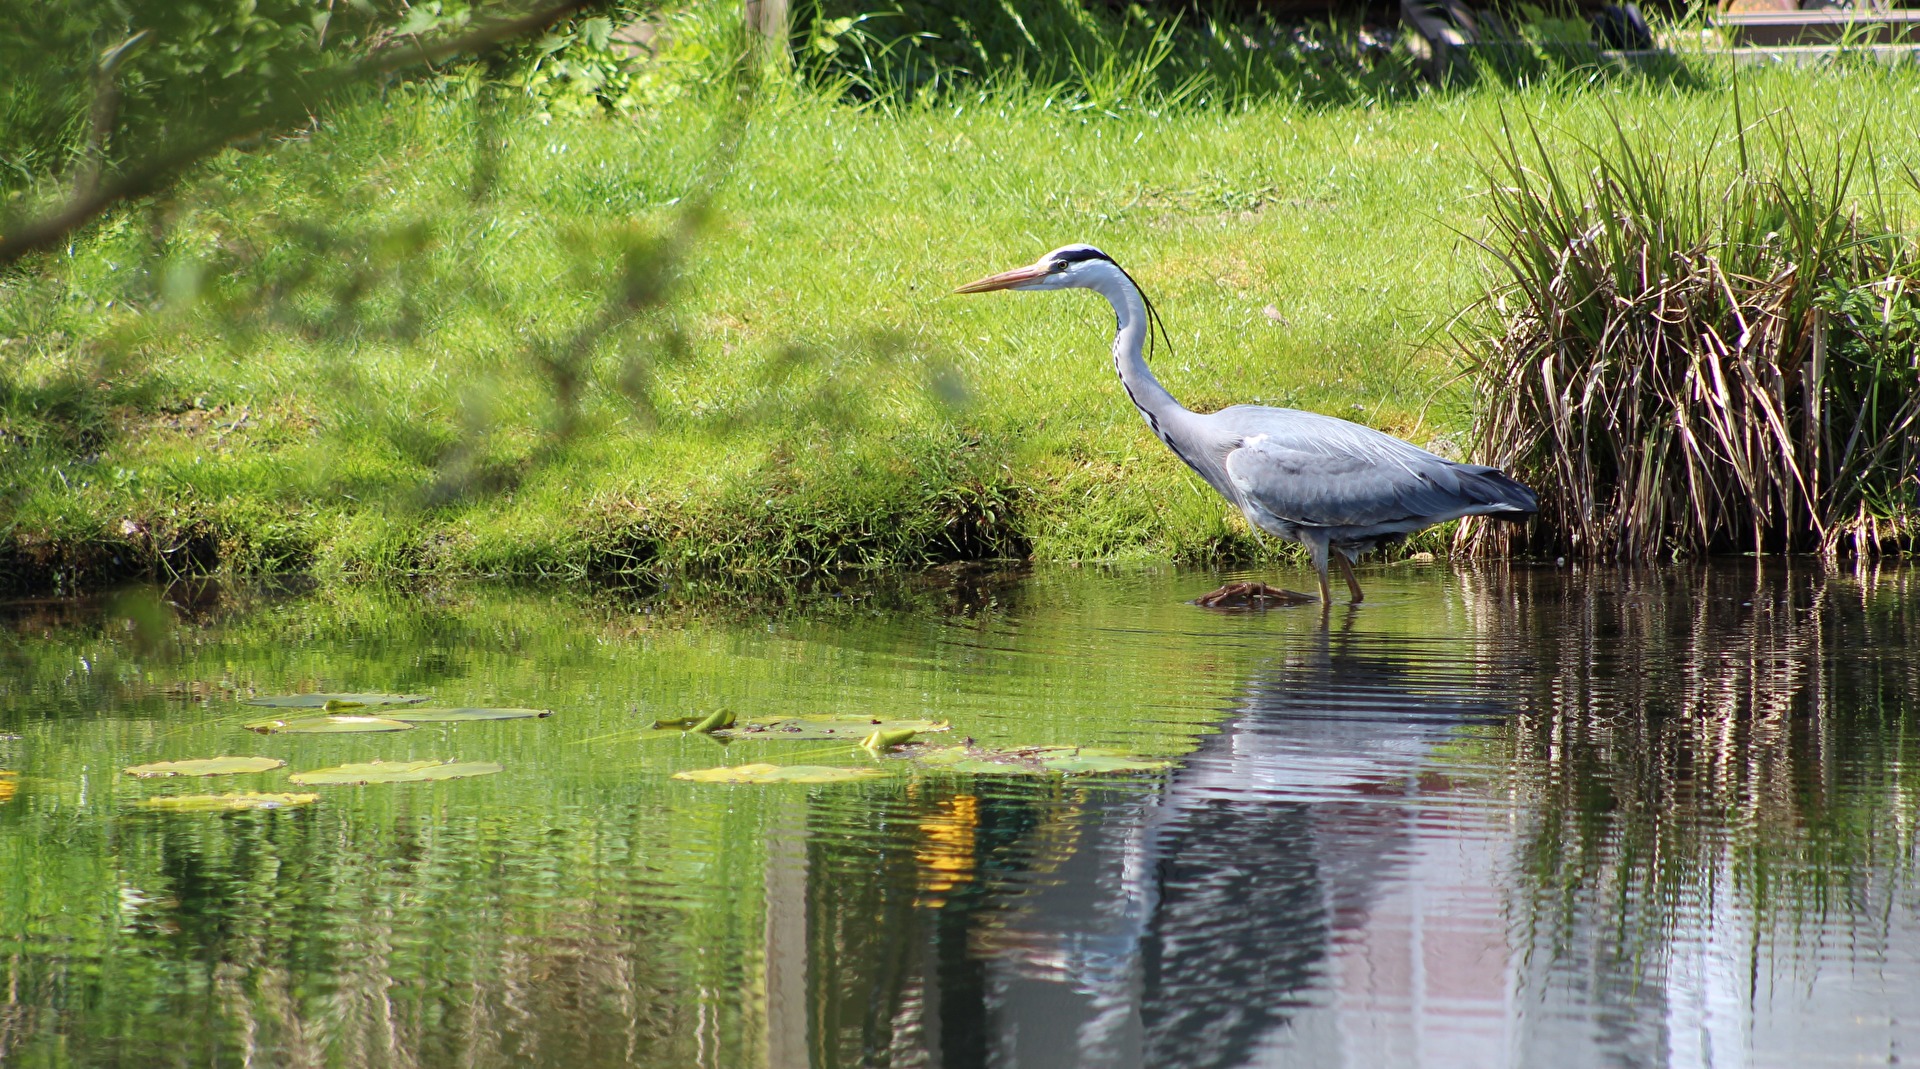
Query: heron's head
1066, 267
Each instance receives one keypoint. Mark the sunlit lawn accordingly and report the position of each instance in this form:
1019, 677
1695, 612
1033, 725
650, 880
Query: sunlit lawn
826, 402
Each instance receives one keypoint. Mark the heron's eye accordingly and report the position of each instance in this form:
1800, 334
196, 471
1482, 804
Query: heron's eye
1058, 266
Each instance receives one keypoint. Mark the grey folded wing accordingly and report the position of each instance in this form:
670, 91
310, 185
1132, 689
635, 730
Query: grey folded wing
1350, 477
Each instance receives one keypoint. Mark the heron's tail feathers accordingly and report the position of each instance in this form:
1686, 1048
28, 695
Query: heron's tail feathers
1497, 495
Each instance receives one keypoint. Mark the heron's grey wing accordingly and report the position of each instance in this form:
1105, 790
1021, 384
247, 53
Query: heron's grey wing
1312, 470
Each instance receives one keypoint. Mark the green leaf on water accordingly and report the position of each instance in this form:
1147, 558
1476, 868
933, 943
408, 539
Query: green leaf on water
450, 716
805, 728
650, 734
207, 766
717, 720
1037, 760
1090, 760
395, 772
881, 740
327, 725
778, 774
226, 803
321, 701
681, 723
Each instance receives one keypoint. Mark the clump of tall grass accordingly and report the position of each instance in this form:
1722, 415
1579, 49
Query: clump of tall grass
1704, 352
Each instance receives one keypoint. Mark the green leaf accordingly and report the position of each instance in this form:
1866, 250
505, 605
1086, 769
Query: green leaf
206, 766
327, 725
451, 716
1089, 760
225, 803
715, 721
882, 740
1037, 760
778, 774
596, 32
395, 772
319, 701
851, 728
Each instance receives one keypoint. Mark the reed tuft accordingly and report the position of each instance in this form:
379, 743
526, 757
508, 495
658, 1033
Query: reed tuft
1700, 352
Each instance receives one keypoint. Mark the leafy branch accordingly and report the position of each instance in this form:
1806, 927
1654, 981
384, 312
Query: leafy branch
286, 110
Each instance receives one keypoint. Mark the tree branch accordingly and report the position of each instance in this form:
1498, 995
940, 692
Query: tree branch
162, 168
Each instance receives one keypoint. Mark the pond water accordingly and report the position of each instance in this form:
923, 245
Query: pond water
1491, 817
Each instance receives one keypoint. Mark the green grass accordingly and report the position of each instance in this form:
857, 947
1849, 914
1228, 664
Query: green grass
337, 355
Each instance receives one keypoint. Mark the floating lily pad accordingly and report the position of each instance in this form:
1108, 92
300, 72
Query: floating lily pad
850, 728
1037, 760
208, 766
1088, 760
395, 772
778, 774
451, 716
649, 734
320, 701
226, 803
327, 725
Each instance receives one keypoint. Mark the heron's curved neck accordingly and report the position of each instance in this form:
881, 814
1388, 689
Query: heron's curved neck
1129, 337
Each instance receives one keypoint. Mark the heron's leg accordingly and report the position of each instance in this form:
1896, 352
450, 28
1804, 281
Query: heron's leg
1346, 569
1319, 549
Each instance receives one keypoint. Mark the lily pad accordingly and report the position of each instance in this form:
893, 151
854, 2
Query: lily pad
327, 725
850, 728
226, 803
207, 766
778, 774
395, 772
452, 716
320, 701
1038, 760
1090, 760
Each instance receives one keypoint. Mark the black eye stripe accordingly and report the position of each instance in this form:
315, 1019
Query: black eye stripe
1074, 256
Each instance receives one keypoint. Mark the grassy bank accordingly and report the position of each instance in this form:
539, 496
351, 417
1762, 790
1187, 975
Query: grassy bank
387, 348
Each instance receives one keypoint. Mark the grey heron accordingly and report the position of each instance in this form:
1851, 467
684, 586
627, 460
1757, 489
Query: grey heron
1338, 488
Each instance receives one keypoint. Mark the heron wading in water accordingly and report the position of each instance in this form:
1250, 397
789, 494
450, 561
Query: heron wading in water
1336, 487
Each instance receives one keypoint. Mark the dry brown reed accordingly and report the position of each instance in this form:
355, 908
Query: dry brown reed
1691, 352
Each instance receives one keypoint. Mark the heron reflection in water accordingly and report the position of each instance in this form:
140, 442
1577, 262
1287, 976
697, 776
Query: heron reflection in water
1269, 847
1201, 924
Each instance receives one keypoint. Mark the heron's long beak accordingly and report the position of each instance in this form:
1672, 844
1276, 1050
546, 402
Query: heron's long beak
1004, 280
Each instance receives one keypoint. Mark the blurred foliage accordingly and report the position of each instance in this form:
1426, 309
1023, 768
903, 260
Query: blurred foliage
128, 161
187, 65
